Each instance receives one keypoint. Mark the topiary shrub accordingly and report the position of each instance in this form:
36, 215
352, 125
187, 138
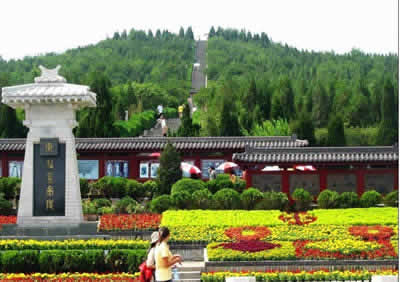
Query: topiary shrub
348, 200
273, 201
150, 188
125, 205
111, 187
160, 204
250, 197
222, 181
370, 199
84, 187
328, 199
202, 199
391, 199
23, 261
302, 199
88, 207
239, 185
9, 186
134, 189
226, 199
5, 206
101, 202
188, 185
182, 199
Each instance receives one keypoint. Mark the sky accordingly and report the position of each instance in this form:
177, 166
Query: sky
32, 27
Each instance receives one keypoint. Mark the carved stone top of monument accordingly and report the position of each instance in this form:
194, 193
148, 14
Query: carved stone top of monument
49, 88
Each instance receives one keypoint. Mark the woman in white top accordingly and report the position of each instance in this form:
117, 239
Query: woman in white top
151, 260
164, 259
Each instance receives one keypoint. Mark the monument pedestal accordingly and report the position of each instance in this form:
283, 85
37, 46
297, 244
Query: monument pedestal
50, 198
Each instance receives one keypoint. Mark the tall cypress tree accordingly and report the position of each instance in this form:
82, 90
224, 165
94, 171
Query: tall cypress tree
181, 33
304, 128
189, 34
187, 128
229, 125
388, 127
170, 168
336, 135
211, 34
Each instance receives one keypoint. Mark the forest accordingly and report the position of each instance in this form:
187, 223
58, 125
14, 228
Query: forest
259, 87
255, 87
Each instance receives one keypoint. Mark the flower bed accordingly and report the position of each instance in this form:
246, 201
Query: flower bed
117, 222
9, 219
278, 276
126, 277
72, 244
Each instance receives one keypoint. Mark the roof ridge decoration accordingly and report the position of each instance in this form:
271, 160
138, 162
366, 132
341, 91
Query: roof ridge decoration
50, 75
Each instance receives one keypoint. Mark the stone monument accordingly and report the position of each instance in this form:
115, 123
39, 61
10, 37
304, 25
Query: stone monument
50, 192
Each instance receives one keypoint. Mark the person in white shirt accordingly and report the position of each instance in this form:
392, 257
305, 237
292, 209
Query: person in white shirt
151, 259
164, 127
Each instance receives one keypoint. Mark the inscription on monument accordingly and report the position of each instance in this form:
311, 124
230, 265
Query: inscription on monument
49, 178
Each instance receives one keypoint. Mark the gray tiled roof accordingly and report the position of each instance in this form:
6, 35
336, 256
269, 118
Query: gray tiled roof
318, 154
157, 143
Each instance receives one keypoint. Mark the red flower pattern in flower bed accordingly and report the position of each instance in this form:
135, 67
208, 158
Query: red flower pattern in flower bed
9, 219
110, 222
372, 233
385, 251
256, 233
298, 218
249, 246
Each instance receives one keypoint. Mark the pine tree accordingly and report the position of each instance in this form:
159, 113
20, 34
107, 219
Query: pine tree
283, 100
170, 168
304, 128
229, 125
321, 105
124, 35
211, 34
388, 127
336, 135
116, 36
189, 34
187, 128
150, 34
249, 103
158, 34
181, 33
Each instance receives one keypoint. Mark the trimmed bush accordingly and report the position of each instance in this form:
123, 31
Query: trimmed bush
160, 204
273, 201
111, 187
9, 186
182, 199
150, 188
302, 199
88, 207
25, 261
250, 197
101, 202
227, 199
202, 199
84, 185
134, 189
222, 181
125, 260
370, 199
328, 199
5, 205
239, 185
391, 199
125, 205
348, 200
188, 185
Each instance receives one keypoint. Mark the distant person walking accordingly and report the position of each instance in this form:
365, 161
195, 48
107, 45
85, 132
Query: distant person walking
180, 111
164, 258
160, 110
212, 173
164, 127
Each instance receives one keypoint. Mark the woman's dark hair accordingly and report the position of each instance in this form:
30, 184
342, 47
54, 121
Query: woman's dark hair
152, 245
164, 233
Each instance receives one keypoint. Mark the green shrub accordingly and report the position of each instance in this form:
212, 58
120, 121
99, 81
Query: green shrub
348, 200
88, 207
302, 199
202, 199
170, 112
136, 124
328, 199
250, 198
370, 199
134, 189
222, 181
101, 202
273, 201
150, 188
160, 204
125, 260
124, 204
84, 186
188, 185
111, 187
227, 199
9, 186
239, 185
391, 199
51, 261
182, 199
5, 205
106, 210
25, 261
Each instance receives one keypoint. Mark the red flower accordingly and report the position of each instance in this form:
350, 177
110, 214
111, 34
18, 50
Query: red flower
298, 218
255, 233
249, 246
372, 233
111, 222
10, 219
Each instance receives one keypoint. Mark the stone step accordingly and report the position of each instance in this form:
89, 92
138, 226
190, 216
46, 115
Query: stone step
189, 274
188, 280
190, 268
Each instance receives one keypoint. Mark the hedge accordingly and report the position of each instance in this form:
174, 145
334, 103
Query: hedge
56, 261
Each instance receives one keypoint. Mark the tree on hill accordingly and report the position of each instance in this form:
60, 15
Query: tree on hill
181, 33
189, 34
336, 135
211, 34
388, 127
187, 128
304, 128
170, 168
283, 100
229, 125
